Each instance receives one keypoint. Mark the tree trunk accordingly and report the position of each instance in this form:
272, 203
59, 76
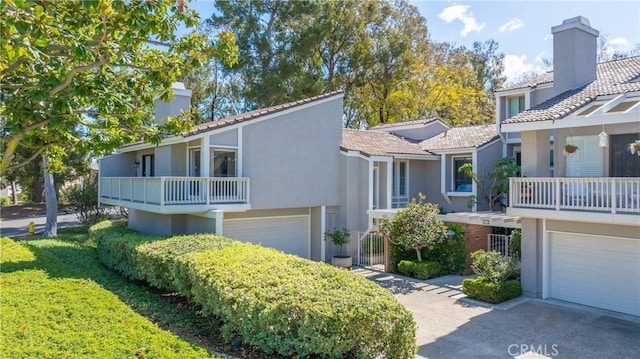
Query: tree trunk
418, 250
51, 202
14, 192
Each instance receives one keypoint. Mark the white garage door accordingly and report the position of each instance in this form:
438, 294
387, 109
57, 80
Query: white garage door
596, 271
288, 234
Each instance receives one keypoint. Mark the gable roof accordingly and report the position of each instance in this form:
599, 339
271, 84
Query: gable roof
612, 78
422, 121
545, 78
255, 114
376, 143
461, 137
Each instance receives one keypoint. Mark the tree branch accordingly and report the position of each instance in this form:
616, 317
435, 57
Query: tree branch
27, 161
71, 74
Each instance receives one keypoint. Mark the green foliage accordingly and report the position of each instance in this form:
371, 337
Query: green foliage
295, 307
515, 244
279, 303
339, 237
492, 266
85, 74
83, 197
450, 254
417, 226
487, 291
420, 270
156, 260
5, 201
65, 305
493, 186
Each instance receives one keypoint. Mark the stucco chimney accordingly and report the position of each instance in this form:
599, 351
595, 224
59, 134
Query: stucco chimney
574, 54
181, 101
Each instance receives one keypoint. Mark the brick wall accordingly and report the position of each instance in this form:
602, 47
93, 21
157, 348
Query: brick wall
476, 236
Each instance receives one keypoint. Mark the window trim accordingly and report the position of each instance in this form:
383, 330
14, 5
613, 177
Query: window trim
396, 198
522, 104
452, 184
212, 152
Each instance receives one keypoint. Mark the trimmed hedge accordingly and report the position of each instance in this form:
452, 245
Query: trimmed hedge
483, 289
420, 270
277, 302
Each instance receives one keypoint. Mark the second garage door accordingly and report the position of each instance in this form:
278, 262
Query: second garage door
288, 234
597, 271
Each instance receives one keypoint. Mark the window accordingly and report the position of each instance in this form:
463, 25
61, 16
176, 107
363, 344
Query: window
223, 162
515, 105
147, 166
400, 184
621, 162
588, 160
461, 182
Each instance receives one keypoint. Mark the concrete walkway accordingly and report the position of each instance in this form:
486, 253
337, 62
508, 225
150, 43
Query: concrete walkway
450, 325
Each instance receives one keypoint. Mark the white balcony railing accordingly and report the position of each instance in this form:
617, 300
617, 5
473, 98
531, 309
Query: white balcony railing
604, 194
175, 190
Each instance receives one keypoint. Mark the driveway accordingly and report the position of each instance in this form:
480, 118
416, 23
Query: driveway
450, 325
20, 227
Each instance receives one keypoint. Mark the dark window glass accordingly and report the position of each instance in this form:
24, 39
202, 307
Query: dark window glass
621, 162
461, 182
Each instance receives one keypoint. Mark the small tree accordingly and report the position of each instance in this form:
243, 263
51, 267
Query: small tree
494, 185
339, 237
83, 197
415, 227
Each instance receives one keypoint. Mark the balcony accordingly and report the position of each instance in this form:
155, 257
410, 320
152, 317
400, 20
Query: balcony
175, 194
603, 200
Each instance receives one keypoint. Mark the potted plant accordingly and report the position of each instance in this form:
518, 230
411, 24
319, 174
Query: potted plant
570, 148
339, 237
635, 147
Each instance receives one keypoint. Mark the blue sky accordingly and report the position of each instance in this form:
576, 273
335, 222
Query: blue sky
521, 28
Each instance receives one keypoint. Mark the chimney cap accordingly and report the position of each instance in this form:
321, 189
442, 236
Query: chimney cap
578, 22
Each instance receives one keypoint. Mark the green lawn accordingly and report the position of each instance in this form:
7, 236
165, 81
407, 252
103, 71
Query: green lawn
58, 301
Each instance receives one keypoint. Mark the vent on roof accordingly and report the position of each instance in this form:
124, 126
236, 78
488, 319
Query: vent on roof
590, 110
623, 106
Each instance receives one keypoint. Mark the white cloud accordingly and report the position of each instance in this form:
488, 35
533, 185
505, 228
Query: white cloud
618, 42
462, 13
516, 66
512, 24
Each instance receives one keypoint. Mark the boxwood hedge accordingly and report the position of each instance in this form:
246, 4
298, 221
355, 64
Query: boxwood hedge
485, 290
277, 302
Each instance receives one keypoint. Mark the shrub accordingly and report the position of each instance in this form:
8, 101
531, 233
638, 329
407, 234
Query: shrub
277, 302
5, 201
492, 266
117, 245
83, 197
155, 260
295, 307
483, 289
420, 270
515, 244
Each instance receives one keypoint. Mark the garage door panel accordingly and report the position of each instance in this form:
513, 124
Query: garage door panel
288, 234
594, 270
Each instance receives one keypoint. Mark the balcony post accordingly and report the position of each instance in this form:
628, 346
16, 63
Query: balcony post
557, 193
207, 184
162, 191
614, 200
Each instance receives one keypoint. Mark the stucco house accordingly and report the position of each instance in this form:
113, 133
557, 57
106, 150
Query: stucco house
267, 176
580, 212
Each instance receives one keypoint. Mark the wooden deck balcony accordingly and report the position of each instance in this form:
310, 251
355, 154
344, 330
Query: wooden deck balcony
603, 199
175, 194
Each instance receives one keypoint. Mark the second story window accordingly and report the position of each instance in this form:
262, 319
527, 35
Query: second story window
461, 182
515, 105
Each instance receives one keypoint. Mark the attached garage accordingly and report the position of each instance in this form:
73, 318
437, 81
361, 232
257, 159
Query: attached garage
289, 234
598, 271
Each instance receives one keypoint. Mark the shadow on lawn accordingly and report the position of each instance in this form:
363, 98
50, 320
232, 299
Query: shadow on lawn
73, 257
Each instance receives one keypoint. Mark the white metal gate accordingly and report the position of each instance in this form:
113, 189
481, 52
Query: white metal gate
368, 250
500, 243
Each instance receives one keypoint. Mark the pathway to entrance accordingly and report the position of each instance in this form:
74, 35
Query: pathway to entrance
450, 325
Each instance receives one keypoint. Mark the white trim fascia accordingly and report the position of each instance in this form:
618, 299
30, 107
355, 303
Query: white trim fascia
351, 153
594, 235
323, 229
545, 260
572, 122
425, 157
402, 126
240, 150
514, 92
454, 151
145, 145
177, 209
381, 158
370, 184
575, 216
474, 185
265, 217
443, 179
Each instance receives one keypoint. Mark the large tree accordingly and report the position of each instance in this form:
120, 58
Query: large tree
92, 67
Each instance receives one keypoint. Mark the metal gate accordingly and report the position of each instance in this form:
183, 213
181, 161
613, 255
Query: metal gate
368, 250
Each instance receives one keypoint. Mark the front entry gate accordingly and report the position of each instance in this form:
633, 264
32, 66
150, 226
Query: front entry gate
368, 250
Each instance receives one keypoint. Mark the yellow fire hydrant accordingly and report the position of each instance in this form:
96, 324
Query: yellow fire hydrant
32, 228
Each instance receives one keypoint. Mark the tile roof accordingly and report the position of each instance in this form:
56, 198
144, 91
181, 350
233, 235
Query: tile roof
612, 78
394, 124
251, 115
376, 143
544, 78
461, 137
